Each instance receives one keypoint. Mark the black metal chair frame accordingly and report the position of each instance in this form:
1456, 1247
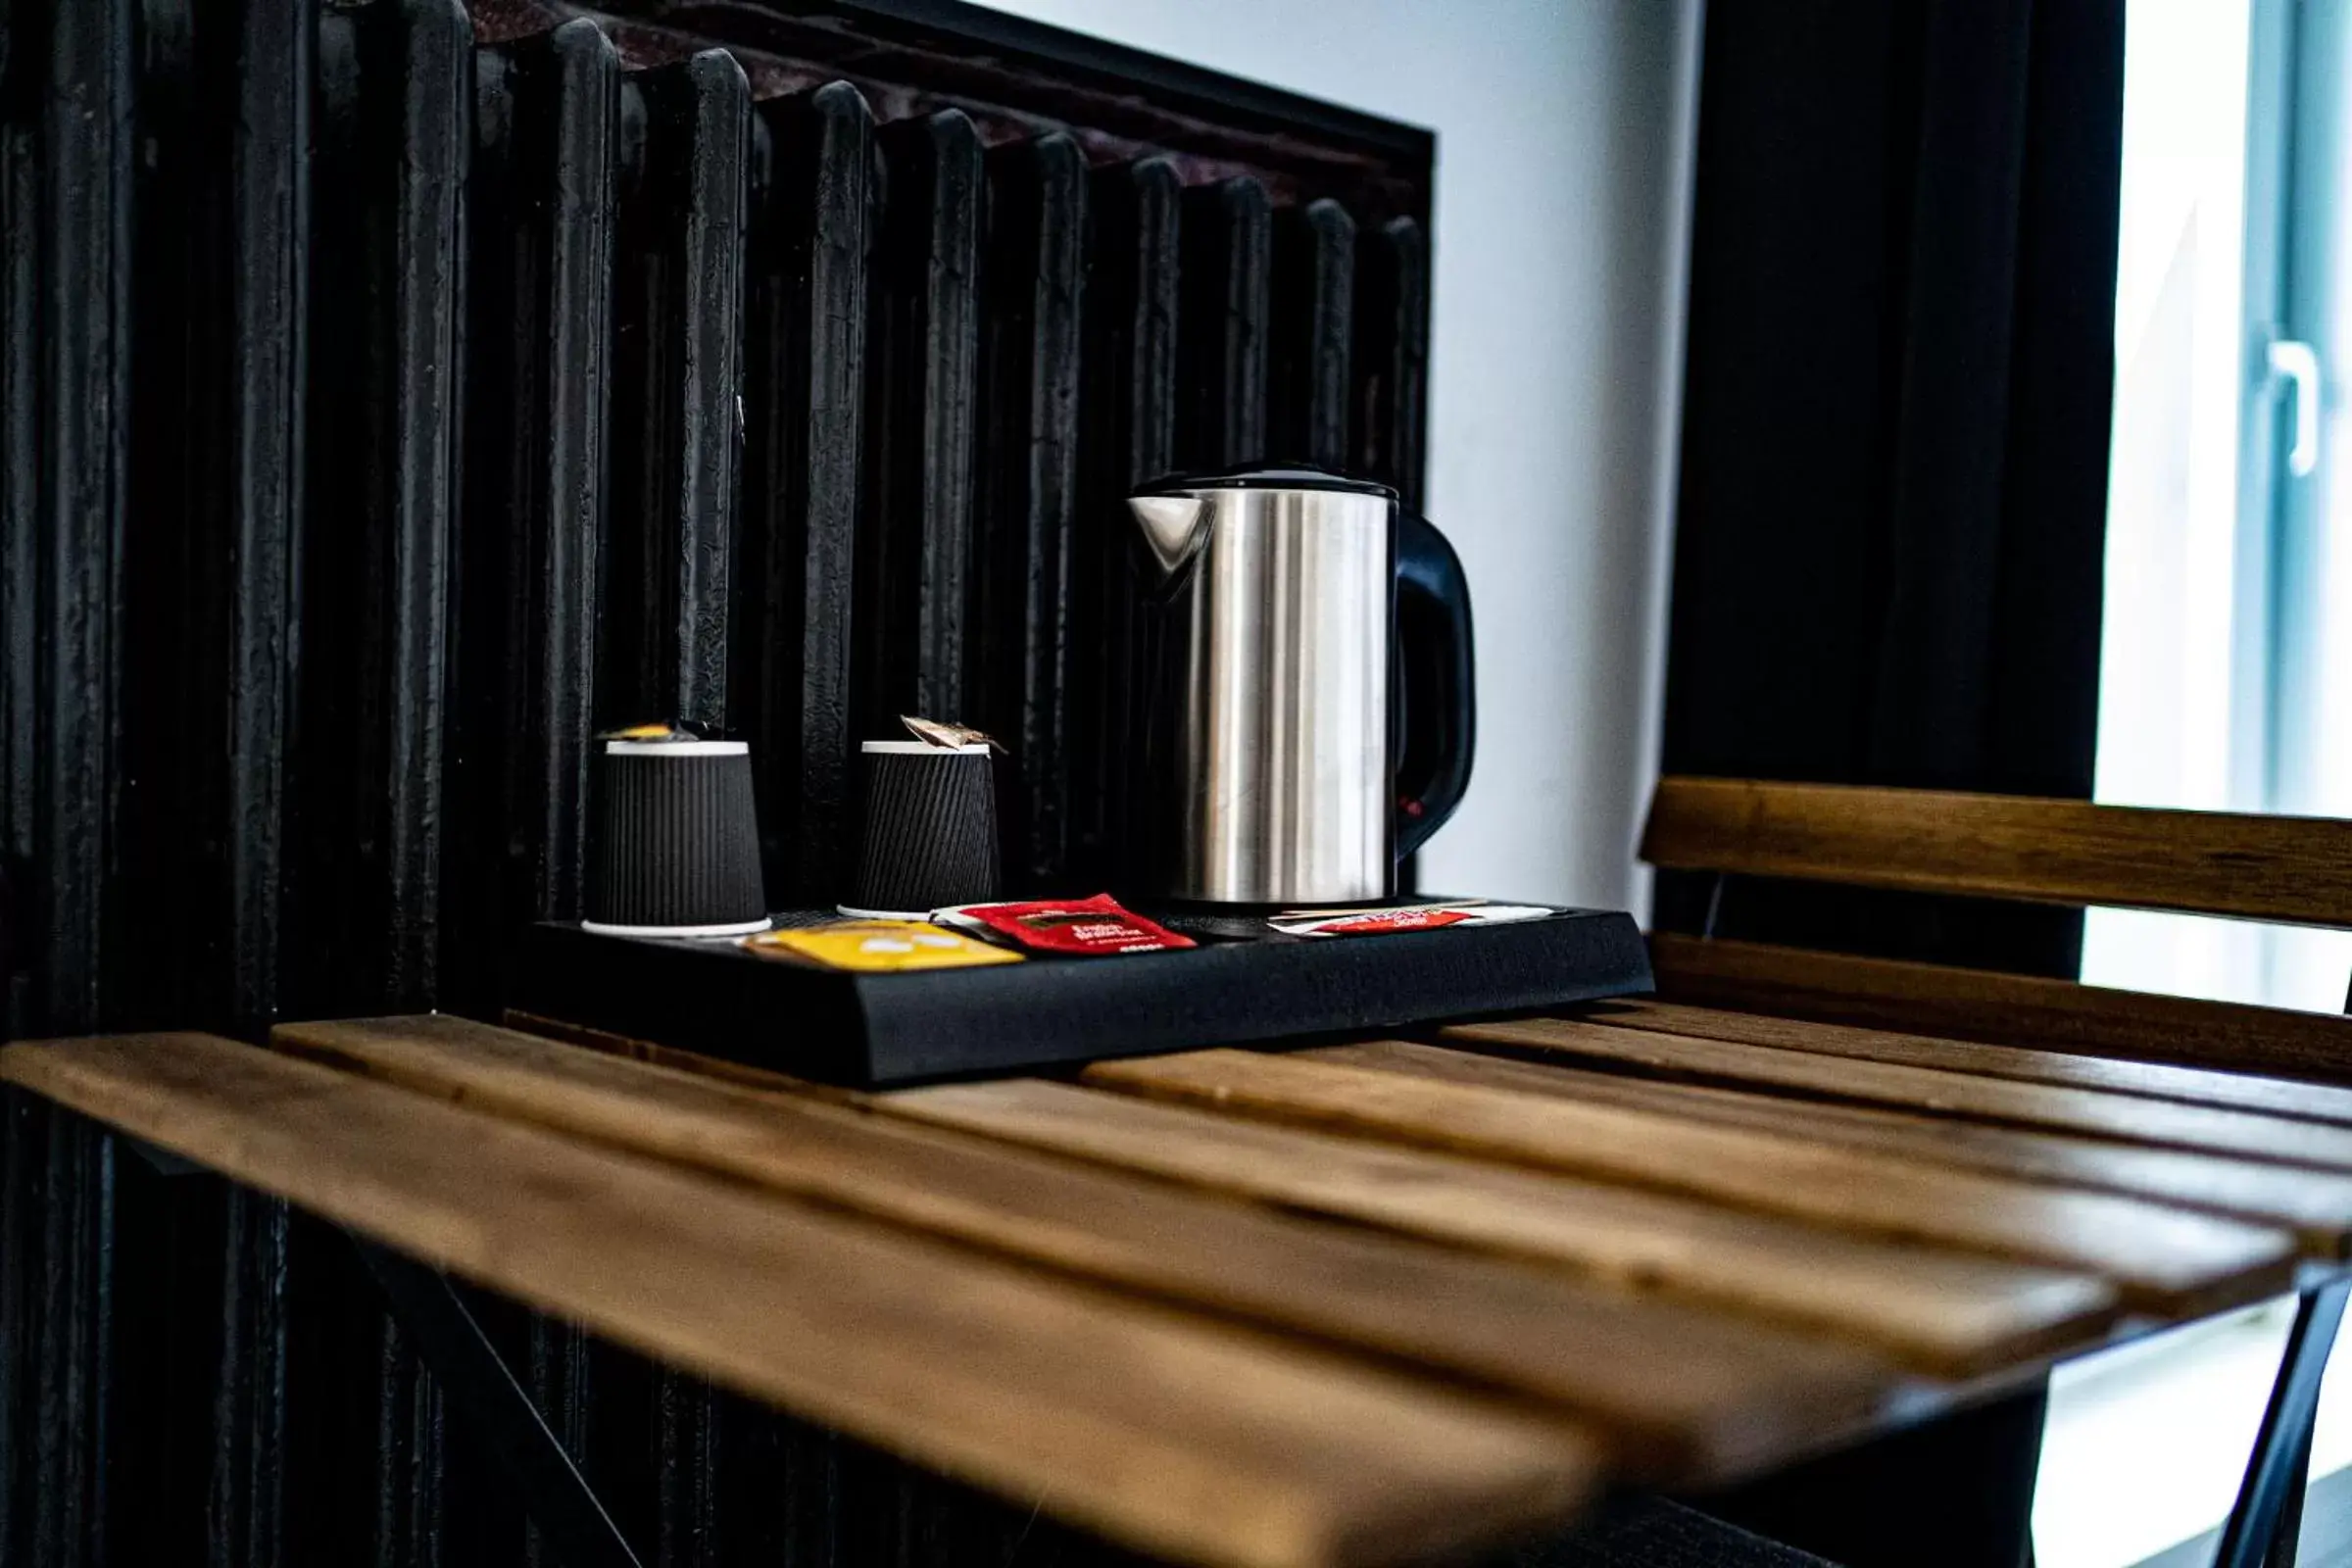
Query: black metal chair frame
2266, 1524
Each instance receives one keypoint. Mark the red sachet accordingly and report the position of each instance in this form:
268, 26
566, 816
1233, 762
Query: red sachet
1083, 927
1348, 925
1403, 918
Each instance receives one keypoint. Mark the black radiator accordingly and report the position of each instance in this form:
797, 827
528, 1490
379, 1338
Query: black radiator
393, 396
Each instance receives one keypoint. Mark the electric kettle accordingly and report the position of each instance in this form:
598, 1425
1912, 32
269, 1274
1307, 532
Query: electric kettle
1308, 710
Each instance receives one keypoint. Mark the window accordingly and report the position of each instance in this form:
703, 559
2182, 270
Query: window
2226, 675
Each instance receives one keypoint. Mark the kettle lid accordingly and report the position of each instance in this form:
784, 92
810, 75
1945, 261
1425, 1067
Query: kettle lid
1263, 476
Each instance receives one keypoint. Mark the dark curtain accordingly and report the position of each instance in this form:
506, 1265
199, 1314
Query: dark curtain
1894, 472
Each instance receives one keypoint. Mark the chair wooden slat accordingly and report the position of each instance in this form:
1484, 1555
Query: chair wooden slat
2193, 1086
2243, 1134
1944, 1312
2317, 1206
1161, 1430
2002, 1008
2008, 847
1677, 1390
2166, 1259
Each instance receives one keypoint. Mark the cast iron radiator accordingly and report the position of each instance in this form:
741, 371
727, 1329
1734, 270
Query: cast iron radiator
390, 398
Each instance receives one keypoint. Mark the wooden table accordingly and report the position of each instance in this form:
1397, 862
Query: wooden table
1353, 1304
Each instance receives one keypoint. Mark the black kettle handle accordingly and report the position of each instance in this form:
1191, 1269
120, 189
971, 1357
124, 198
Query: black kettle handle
1437, 687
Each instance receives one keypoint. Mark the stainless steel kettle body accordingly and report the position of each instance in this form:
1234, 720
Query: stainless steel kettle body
1289, 617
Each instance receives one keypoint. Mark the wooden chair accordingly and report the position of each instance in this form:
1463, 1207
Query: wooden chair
2052, 852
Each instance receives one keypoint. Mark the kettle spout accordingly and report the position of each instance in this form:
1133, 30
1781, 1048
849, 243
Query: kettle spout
1171, 526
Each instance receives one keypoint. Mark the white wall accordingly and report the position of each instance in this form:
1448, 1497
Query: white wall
1563, 136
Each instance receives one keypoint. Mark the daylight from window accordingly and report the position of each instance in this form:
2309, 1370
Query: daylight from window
2225, 671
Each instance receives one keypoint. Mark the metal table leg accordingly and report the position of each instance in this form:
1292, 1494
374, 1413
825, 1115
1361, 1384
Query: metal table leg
453, 1348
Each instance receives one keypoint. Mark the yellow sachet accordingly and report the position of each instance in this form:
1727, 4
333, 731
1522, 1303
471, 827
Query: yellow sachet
881, 944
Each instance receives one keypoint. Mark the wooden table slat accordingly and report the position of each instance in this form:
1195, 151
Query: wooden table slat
1676, 1389
2317, 1206
1166, 1431
2166, 1259
1945, 1312
2096, 1113
2195, 1086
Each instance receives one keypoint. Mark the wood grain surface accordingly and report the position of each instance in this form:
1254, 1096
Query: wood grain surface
1940, 1311
2316, 1205
2008, 1009
2195, 1086
2166, 1259
1676, 1389
2096, 1113
1166, 1431
2007, 847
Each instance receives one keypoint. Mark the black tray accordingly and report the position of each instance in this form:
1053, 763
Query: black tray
870, 1030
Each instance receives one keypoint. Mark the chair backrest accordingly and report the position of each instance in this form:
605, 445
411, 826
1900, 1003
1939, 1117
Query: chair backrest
2284, 868
2278, 868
